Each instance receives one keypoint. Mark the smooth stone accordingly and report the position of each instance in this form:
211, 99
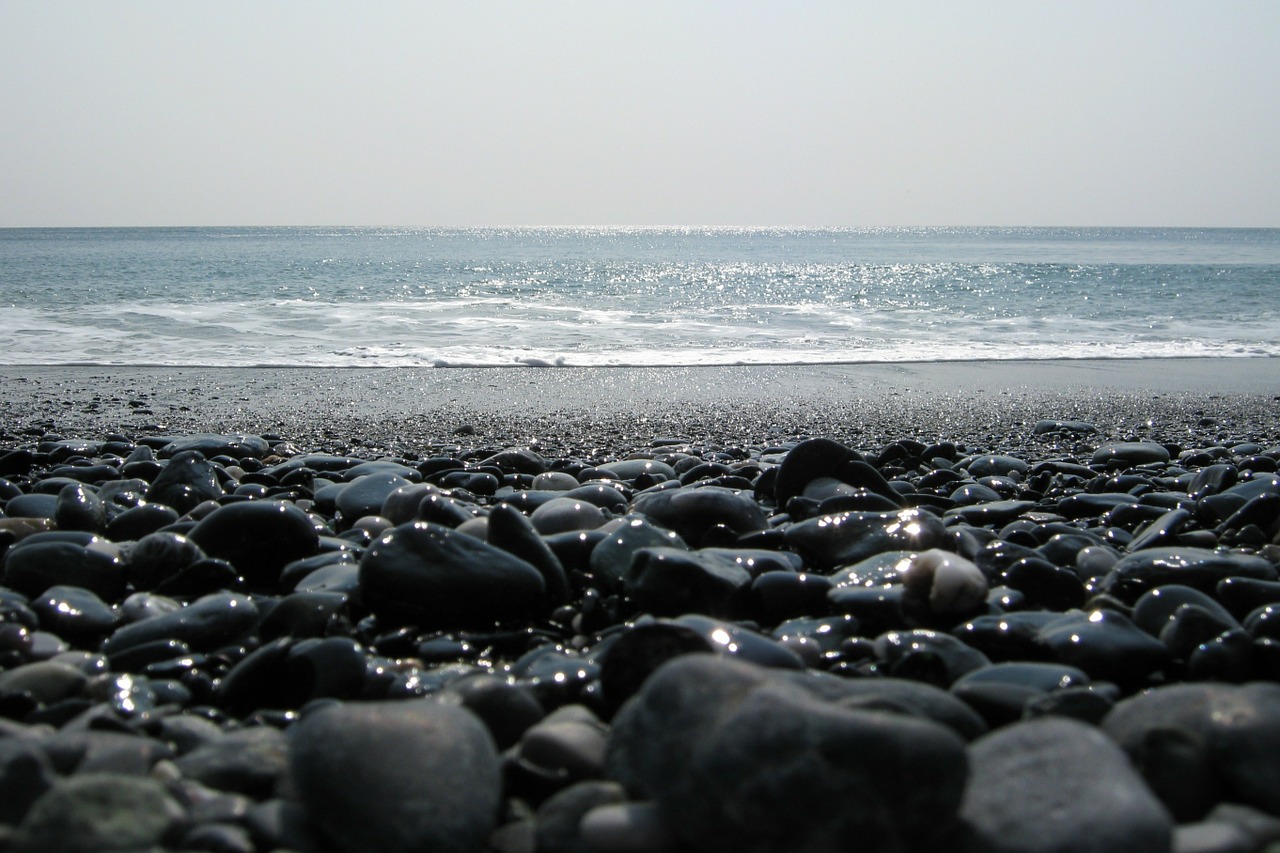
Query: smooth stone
512, 531
1056, 784
692, 511
46, 681
1044, 584
742, 643
251, 761
630, 469
186, 480
611, 558
259, 538
1001, 692
1199, 744
884, 569
816, 639
995, 513
995, 465
1043, 427
159, 556
32, 568
555, 481
80, 508
1119, 453
1200, 568
671, 581
397, 777
1106, 644
286, 674
304, 614
439, 508
560, 816
139, 521
630, 657
507, 710
365, 495
32, 505
974, 493
1162, 532
436, 577
1089, 704
96, 812
927, 656
401, 505
210, 444
561, 515
738, 759
518, 460
1156, 608
779, 595
25, 774
205, 624
1091, 504
1244, 595
75, 614
837, 540
1007, 636
822, 457
564, 748
624, 828
943, 583
602, 495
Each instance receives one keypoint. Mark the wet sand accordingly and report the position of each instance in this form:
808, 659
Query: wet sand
580, 409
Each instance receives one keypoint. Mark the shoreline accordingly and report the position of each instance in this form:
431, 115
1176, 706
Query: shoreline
569, 408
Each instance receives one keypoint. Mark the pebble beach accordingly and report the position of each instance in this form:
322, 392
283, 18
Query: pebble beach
964, 606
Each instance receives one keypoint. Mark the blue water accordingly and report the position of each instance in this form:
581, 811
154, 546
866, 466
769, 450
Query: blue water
464, 297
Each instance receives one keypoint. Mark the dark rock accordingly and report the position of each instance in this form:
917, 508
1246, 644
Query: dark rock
737, 760
80, 508
33, 567
693, 510
96, 812
1216, 740
251, 761
671, 581
1058, 785
1195, 567
391, 777
257, 537
75, 614
1105, 644
212, 621
438, 578
187, 480
836, 540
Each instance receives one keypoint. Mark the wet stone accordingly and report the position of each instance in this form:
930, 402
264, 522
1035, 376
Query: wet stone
259, 538
439, 578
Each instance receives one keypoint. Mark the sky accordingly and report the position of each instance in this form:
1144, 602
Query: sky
842, 113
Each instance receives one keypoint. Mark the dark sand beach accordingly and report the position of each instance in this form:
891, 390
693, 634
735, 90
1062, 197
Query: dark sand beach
617, 408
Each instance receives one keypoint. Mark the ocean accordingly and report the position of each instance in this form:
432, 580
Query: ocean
467, 297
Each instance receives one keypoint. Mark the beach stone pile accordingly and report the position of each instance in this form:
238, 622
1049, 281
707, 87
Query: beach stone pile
236, 643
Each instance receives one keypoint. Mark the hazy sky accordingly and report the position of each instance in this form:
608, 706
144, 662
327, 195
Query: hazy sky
1137, 112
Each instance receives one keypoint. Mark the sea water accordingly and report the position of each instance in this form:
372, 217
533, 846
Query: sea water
631, 296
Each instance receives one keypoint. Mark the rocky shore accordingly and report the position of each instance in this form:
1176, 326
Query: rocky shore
973, 607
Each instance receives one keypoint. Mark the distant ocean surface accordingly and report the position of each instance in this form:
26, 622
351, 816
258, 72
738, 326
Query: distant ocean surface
460, 297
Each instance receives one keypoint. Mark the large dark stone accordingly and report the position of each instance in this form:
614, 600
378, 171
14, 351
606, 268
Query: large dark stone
436, 577
397, 777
